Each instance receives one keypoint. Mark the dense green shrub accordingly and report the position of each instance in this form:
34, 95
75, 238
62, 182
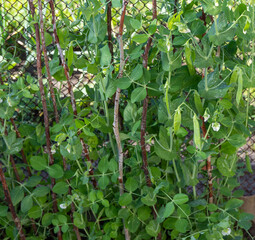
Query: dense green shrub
168, 109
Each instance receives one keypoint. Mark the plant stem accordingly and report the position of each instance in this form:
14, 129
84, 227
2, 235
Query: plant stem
116, 110
9, 201
44, 104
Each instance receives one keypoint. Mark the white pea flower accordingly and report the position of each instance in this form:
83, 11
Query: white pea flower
1, 100
217, 4
63, 205
53, 151
206, 116
216, 126
244, 31
226, 232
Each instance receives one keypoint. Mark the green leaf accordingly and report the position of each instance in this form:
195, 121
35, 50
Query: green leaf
55, 171
136, 73
138, 94
224, 32
106, 56
125, 199
153, 228
216, 87
70, 56
136, 24
237, 140
149, 199
17, 194
47, 218
38, 163
133, 224
103, 182
233, 203
227, 165
48, 38
131, 184
3, 211
41, 191
180, 198
26, 204
81, 63
141, 38
169, 209
103, 164
35, 212
123, 83
144, 213
181, 225
60, 188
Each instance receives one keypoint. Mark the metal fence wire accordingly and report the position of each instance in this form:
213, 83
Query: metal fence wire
17, 37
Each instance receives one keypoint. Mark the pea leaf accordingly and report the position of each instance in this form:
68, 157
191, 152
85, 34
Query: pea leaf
55, 171
169, 209
141, 38
138, 94
136, 24
237, 140
153, 228
125, 199
60, 188
26, 204
180, 198
106, 56
131, 184
38, 163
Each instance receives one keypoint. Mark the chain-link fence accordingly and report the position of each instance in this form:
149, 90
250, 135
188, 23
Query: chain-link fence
17, 37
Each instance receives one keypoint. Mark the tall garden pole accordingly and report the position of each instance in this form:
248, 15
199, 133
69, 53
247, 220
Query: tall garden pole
45, 111
116, 109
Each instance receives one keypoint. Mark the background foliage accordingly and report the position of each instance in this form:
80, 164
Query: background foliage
198, 86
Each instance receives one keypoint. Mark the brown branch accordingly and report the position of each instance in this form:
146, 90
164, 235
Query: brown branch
46, 60
144, 113
44, 105
9, 202
70, 88
24, 159
116, 110
109, 27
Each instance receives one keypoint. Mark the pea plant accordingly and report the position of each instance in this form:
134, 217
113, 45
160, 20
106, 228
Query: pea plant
148, 149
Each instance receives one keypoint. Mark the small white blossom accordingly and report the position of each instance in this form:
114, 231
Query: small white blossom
226, 232
1, 100
216, 4
216, 126
53, 151
206, 116
63, 205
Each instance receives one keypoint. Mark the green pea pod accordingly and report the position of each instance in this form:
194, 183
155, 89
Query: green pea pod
198, 103
177, 120
239, 87
188, 59
234, 75
248, 164
197, 137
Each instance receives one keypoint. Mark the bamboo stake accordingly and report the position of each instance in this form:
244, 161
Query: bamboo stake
144, 113
116, 109
45, 111
49, 77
